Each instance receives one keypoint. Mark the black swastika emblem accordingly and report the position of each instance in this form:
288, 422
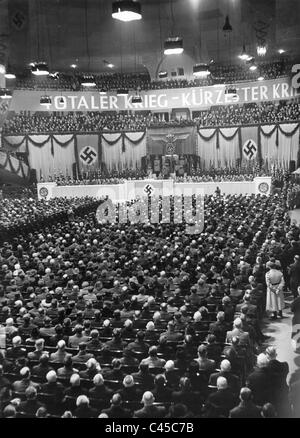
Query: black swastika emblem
88, 155
18, 20
148, 190
250, 149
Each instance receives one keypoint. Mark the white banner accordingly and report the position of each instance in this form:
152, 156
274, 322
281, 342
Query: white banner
156, 100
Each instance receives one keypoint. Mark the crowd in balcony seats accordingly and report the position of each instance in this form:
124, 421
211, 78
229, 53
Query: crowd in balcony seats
142, 81
230, 115
248, 114
74, 122
139, 320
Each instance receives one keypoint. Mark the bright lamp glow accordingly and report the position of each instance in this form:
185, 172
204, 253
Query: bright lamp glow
260, 78
244, 56
10, 76
261, 50
5, 94
173, 46
201, 70
39, 69
88, 81
122, 92
281, 51
253, 67
126, 10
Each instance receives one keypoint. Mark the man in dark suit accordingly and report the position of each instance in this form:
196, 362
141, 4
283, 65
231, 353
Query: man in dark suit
188, 396
53, 387
115, 410
149, 411
246, 408
138, 345
100, 391
259, 381
295, 308
219, 328
143, 377
278, 372
232, 380
220, 403
31, 405
294, 273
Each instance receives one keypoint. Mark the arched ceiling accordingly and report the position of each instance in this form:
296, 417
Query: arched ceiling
62, 32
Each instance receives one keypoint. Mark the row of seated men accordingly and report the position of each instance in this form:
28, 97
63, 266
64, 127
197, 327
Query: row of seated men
197, 351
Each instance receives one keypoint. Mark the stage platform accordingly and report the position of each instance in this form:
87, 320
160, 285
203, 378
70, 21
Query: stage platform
133, 189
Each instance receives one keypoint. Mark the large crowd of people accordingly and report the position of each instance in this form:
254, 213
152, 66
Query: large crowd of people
142, 81
248, 114
92, 121
116, 320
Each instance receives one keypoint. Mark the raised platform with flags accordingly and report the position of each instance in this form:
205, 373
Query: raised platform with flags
133, 189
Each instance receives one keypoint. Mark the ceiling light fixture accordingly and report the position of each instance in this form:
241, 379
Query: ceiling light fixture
136, 99
163, 74
39, 69
261, 50
173, 46
5, 94
126, 10
201, 70
227, 28
10, 76
244, 55
45, 100
88, 81
122, 92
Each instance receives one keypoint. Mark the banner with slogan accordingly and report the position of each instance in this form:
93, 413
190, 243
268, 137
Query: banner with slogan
87, 153
196, 98
172, 141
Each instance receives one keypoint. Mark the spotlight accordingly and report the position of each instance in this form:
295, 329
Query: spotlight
39, 69
244, 55
45, 100
10, 76
163, 74
201, 70
88, 81
122, 92
136, 99
5, 94
173, 46
261, 50
126, 10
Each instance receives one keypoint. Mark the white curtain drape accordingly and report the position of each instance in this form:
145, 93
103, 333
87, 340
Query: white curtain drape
288, 145
40, 157
229, 150
269, 149
112, 154
64, 156
207, 148
11, 143
134, 152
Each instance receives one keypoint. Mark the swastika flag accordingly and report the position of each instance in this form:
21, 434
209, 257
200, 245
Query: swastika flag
249, 143
88, 156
